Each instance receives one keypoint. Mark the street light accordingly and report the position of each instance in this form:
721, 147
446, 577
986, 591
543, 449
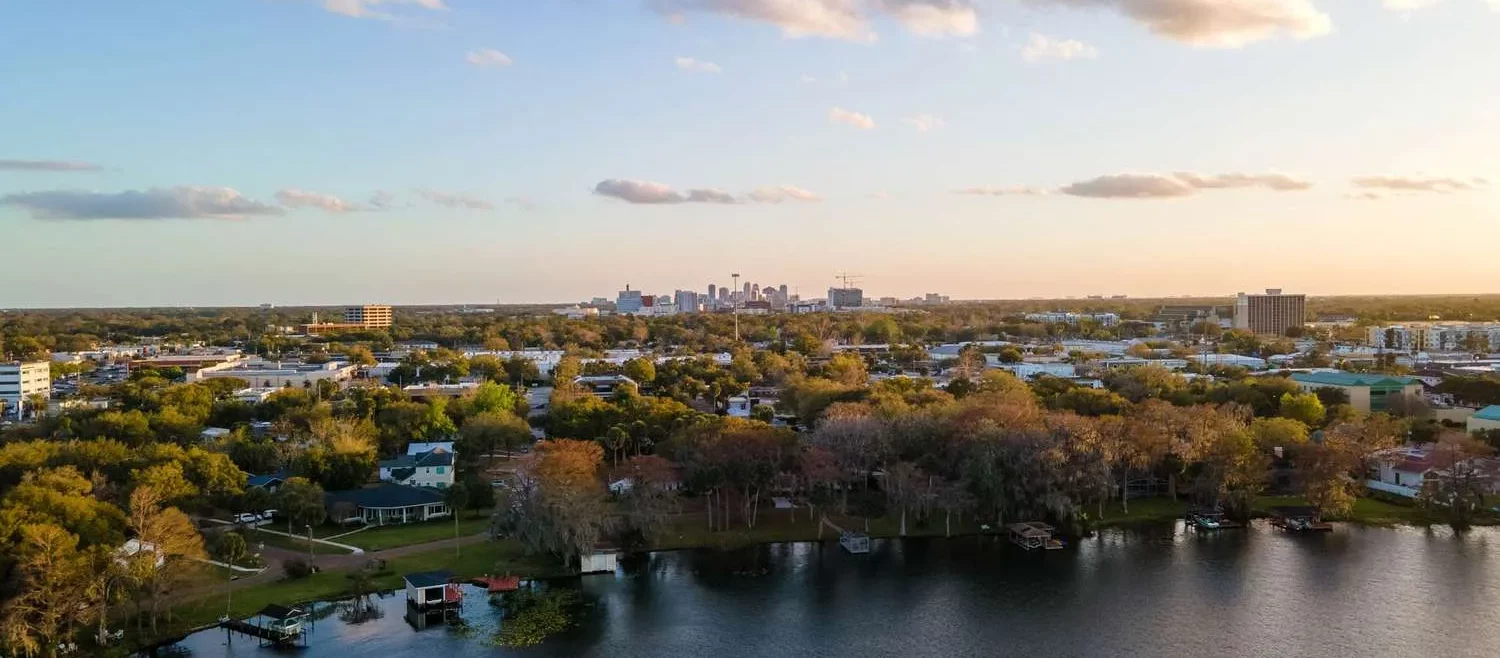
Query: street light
309, 545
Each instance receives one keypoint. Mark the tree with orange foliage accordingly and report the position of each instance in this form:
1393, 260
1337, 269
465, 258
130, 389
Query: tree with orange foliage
559, 506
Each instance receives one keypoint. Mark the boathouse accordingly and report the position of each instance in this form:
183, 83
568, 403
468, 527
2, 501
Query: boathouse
1032, 535
600, 561
428, 590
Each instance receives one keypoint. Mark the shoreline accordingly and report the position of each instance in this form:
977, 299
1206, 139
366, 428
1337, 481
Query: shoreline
497, 556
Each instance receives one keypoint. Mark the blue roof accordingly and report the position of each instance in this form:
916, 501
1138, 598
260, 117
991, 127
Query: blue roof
1491, 412
1351, 379
428, 578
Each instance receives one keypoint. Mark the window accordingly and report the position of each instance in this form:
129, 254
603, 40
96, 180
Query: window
440, 470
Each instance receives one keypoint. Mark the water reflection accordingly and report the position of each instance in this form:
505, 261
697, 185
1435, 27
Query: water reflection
1150, 591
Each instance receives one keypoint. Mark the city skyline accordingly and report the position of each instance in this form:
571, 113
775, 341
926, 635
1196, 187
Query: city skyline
318, 152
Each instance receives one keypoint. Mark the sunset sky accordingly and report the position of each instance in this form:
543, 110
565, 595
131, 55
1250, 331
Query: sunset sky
236, 152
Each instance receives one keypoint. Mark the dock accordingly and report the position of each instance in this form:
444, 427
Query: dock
1032, 535
1299, 519
497, 584
857, 543
275, 625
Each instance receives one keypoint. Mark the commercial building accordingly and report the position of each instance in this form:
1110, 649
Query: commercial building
628, 301
1487, 418
845, 298
356, 318
369, 316
577, 312
1480, 337
1366, 392
686, 301
20, 380
277, 374
1271, 313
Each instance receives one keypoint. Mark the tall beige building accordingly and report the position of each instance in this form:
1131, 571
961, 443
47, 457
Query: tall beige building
369, 316
1271, 313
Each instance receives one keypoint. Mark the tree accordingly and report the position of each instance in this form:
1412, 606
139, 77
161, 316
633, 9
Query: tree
847, 369
492, 398
650, 497
302, 502
1333, 470
1457, 485
165, 536
641, 369
1269, 433
230, 547
486, 433
1011, 354
521, 370
457, 498
55, 578
558, 503
360, 355
1304, 407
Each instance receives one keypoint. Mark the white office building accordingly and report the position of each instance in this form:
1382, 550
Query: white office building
22, 379
628, 301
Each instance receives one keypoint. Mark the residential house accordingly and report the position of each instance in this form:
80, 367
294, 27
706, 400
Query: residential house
433, 468
386, 504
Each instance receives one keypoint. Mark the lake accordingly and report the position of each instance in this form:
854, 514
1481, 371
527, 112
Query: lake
1159, 591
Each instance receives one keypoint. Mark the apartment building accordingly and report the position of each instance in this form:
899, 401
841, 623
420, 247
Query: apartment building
1271, 313
20, 380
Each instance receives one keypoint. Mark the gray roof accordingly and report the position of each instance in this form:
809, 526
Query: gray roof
385, 496
429, 458
428, 578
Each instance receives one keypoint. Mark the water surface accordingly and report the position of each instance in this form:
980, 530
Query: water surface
1145, 592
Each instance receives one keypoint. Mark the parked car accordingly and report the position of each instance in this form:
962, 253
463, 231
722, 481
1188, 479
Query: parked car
246, 517
268, 514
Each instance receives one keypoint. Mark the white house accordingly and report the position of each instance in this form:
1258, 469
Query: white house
433, 468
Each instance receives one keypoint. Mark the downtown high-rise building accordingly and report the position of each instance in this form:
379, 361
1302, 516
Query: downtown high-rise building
1271, 313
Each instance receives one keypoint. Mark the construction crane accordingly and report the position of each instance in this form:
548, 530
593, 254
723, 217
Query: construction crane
849, 280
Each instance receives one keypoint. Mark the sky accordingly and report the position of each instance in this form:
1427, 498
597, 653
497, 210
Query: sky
238, 152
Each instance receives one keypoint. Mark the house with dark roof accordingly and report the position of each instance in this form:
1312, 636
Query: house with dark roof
1367, 392
433, 468
270, 482
386, 504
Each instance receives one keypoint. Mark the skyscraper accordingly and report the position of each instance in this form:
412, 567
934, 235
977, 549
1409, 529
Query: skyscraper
629, 301
1271, 313
713, 293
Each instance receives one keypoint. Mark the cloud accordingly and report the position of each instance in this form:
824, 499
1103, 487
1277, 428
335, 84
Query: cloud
807, 79
46, 165
1042, 46
834, 19
296, 199
697, 66
636, 191
1017, 190
923, 122
779, 193
382, 200
652, 193
1364, 196
1417, 184
1179, 184
837, 19
1217, 23
182, 202
860, 121
879, 195
367, 8
1278, 182
449, 200
933, 18
487, 58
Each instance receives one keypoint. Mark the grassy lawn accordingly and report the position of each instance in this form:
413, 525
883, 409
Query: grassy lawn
1367, 511
392, 536
1143, 510
300, 545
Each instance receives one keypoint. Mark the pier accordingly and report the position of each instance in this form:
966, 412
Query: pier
275, 625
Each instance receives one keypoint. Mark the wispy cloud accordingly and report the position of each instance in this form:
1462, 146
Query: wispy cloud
1014, 190
1216, 23
697, 65
837, 19
1420, 184
653, 193
487, 58
523, 203
451, 200
860, 121
294, 198
370, 8
182, 202
1042, 46
807, 79
1179, 184
46, 165
1411, 5
779, 193
923, 122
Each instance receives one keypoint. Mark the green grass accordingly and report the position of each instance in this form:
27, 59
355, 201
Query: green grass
393, 536
299, 544
1366, 511
1143, 510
